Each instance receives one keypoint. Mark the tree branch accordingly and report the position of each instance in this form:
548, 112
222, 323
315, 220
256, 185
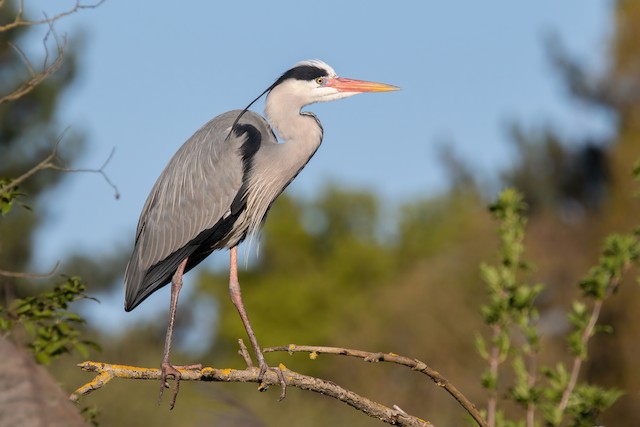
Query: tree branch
414, 364
47, 69
52, 162
106, 372
494, 364
19, 20
35, 78
586, 336
23, 275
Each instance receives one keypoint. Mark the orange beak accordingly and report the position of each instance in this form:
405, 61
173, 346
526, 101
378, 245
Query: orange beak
349, 85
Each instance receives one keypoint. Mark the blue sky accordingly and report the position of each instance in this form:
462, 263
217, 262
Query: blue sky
152, 72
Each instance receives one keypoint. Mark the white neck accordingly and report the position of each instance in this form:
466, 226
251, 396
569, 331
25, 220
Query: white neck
300, 136
284, 114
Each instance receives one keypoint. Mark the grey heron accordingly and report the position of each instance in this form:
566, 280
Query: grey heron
218, 187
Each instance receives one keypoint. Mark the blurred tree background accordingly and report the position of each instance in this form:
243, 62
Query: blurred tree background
339, 270
28, 128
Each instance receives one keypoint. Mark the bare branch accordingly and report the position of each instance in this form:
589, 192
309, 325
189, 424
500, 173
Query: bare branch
245, 353
106, 372
19, 20
36, 78
44, 164
99, 171
53, 162
414, 364
22, 275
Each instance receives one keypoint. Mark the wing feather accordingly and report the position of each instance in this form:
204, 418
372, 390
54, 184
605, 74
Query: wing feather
194, 193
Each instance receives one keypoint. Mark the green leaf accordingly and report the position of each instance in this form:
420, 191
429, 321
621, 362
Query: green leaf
42, 358
82, 349
481, 346
488, 380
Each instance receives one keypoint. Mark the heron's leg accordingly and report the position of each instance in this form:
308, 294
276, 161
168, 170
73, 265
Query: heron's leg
236, 298
167, 368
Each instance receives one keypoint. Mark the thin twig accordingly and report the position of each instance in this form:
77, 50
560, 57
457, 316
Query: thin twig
245, 353
52, 162
106, 372
494, 362
577, 361
414, 364
44, 164
586, 335
22, 275
35, 78
19, 20
100, 171
47, 69
531, 382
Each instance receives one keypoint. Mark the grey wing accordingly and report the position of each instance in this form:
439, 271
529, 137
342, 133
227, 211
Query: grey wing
188, 207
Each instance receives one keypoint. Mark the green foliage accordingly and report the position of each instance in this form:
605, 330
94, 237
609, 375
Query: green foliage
28, 128
560, 399
522, 391
90, 414
557, 379
588, 402
579, 319
617, 255
53, 330
511, 303
509, 299
8, 196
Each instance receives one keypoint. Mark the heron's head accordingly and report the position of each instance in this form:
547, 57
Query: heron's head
315, 81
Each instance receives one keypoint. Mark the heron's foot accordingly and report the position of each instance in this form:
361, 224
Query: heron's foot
264, 386
263, 370
168, 370
283, 384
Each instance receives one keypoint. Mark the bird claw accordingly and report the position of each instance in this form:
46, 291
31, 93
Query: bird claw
263, 384
263, 370
283, 384
281, 380
167, 369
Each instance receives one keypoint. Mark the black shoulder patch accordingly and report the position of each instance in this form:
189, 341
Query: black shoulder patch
252, 144
248, 150
301, 72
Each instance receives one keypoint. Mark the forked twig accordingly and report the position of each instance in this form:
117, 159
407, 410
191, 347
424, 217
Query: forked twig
414, 364
53, 162
23, 275
19, 20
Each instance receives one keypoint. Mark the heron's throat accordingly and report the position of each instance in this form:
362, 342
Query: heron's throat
288, 122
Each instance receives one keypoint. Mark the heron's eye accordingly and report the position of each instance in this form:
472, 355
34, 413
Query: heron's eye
320, 81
